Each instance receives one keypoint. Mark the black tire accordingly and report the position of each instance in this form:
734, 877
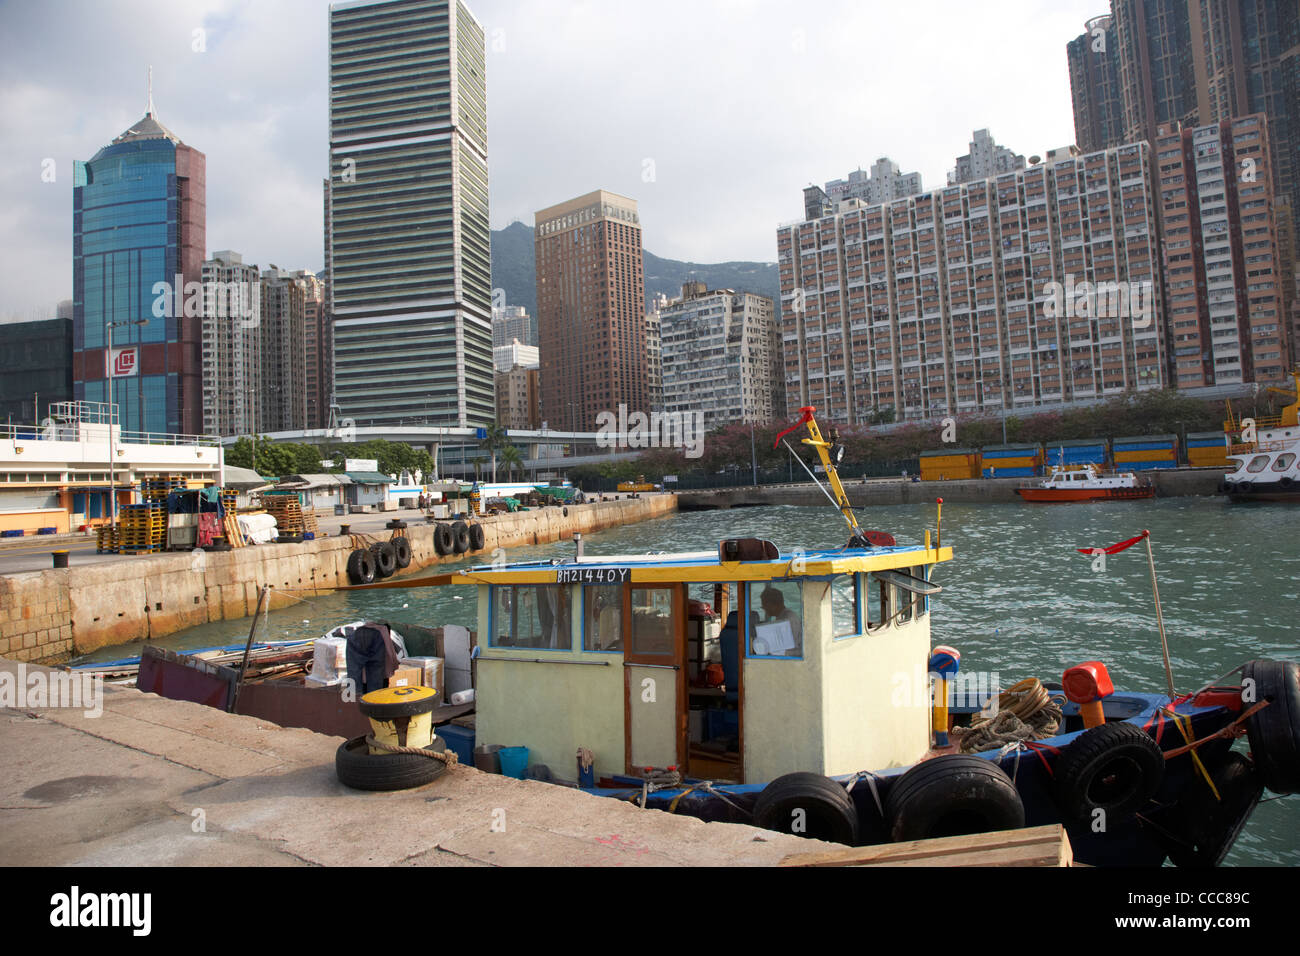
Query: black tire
402, 552
1115, 767
361, 567
460, 534
828, 811
1274, 732
477, 537
950, 796
1212, 826
444, 542
361, 770
385, 558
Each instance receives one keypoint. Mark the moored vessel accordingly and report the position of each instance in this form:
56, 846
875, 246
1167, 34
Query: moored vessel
1086, 483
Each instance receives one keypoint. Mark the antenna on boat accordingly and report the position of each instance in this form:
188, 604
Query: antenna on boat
830, 453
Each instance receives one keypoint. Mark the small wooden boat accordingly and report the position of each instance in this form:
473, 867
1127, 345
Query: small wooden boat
1086, 484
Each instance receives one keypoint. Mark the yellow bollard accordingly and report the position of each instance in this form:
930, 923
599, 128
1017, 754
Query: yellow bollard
400, 716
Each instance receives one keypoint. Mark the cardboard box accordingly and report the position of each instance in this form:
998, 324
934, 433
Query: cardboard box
405, 677
431, 671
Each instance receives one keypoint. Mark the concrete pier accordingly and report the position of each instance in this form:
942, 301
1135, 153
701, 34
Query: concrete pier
47, 616
159, 782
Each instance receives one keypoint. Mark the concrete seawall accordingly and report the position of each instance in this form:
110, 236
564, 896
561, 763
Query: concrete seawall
896, 491
47, 616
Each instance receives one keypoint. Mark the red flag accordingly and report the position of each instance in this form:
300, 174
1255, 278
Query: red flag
807, 417
1114, 548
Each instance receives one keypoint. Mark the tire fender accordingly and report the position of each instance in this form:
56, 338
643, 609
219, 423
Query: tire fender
385, 558
443, 540
358, 768
1274, 731
477, 537
361, 567
1116, 768
460, 535
808, 805
402, 551
952, 795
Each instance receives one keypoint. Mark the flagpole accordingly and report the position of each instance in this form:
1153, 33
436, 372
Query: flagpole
1160, 620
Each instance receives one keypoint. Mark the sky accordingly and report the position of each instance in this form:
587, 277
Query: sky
712, 114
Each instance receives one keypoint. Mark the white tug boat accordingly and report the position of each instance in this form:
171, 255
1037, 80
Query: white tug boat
1086, 484
1267, 467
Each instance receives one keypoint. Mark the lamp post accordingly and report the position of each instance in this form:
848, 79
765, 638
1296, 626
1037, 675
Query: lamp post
112, 413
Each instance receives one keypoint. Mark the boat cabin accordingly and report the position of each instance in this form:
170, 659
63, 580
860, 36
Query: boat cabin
738, 665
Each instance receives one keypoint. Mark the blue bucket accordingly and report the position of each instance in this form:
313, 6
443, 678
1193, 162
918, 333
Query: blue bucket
514, 761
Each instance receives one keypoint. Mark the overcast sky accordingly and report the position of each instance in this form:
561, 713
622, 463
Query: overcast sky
713, 114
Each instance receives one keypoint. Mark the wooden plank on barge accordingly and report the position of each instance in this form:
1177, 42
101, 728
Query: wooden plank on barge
1035, 846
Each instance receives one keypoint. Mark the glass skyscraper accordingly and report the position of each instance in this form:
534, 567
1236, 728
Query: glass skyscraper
409, 244
138, 220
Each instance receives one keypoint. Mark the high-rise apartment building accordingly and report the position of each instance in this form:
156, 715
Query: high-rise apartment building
590, 309
318, 349
1094, 86
232, 345
1037, 287
506, 357
138, 220
283, 390
409, 245
1223, 270
985, 160
513, 323
654, 353
722, 356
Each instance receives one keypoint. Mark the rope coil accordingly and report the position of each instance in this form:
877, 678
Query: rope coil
448, 757
1026, 711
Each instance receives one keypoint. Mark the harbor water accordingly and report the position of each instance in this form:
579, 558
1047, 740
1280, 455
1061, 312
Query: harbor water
1018, 600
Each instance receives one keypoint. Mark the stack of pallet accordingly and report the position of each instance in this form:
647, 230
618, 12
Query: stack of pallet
287, 513
106, 539
143, 529
230, 528
309, 522
157, 488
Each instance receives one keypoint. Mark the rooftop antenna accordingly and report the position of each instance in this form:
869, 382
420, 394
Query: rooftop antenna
149, 110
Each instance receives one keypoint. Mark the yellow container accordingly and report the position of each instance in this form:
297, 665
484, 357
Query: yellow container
1150, 454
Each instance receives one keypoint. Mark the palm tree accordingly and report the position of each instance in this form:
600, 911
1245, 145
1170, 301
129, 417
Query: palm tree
510, 457
493, 441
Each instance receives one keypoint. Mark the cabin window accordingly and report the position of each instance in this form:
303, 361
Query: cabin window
1283, 462
877, 602
532, 616
775, 620
602, 609
923, 601
844, 605
652, 621
1257, 464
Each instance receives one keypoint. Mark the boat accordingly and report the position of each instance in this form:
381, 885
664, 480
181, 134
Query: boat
801, 692
1266, 454
1086, 483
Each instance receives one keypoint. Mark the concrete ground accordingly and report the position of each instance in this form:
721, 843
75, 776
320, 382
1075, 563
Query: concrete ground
152, 781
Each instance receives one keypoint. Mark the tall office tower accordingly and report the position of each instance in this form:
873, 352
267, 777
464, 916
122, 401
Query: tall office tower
232, 345
327, 319
985, 160
1224, 279
284, 369
409, 244
511, 323
590, 309
1094, 86
318, 349
980, 296
138, 219
722, 356
654, 353
35, 367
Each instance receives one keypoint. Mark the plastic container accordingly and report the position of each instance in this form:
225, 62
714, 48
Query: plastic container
460, 740
487, 757
514, 761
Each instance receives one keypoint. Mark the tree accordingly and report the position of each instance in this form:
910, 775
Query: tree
492, 442
510, 457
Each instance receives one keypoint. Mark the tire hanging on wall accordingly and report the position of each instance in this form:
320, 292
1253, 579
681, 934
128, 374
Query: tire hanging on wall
460, 532
1115, 768
385, 558
444, 542
402, 552
361, 567
477, 537
808, 805
950, 796
1274, 731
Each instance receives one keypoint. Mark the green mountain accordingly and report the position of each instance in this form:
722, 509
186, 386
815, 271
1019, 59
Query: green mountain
514, 270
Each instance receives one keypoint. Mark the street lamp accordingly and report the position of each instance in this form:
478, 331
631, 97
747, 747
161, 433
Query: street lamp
112, 413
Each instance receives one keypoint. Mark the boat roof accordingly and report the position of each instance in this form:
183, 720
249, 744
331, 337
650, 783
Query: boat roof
706, 566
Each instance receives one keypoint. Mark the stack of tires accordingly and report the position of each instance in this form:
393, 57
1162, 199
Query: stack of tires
380, 560
458, 537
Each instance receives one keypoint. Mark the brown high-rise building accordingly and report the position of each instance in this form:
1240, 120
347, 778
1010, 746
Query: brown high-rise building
1094, 86
590, 310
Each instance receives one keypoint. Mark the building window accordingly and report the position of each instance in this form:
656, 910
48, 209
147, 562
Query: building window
775, 627
531, 616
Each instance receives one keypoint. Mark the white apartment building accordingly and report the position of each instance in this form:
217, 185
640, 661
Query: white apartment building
232, 345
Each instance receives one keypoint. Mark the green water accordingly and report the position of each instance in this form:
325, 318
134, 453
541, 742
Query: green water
1018, 599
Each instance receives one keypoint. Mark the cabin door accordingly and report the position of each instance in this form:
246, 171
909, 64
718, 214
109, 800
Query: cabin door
654, 677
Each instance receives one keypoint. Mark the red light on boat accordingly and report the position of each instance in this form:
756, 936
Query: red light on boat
1087, 682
